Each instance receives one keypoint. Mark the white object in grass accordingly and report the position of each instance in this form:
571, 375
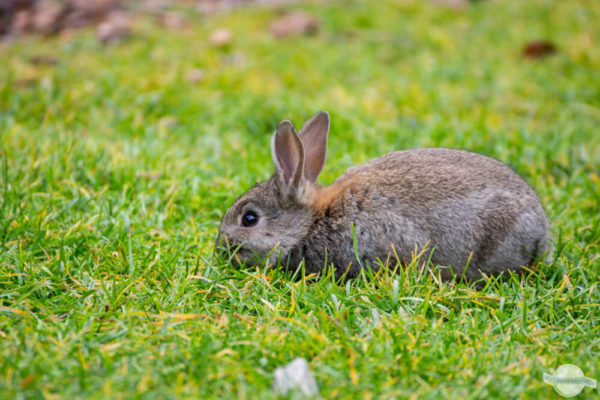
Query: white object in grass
295, 376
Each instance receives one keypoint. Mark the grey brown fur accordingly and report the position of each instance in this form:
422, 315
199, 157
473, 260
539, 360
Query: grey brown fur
465, 207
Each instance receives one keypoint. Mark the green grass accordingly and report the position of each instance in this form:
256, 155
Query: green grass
115, 171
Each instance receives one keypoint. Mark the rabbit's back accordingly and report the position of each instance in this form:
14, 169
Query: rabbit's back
469, 208
432, 174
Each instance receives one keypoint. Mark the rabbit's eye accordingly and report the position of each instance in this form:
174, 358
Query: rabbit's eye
249, 219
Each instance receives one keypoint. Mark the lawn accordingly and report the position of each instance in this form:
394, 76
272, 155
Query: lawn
115, 170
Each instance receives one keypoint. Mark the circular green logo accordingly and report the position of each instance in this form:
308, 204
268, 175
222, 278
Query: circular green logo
568, 380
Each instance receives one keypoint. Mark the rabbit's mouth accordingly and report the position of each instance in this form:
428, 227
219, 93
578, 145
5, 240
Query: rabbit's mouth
244, 257
239, 255
244, 254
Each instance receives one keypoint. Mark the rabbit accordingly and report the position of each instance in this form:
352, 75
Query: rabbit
468, 211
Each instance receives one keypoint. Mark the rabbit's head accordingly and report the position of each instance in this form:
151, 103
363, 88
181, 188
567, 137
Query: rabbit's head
274, 216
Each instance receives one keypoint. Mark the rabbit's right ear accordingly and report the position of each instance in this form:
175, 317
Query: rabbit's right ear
314, 138
288, 156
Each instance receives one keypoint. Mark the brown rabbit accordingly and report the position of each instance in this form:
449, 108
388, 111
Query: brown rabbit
468, 210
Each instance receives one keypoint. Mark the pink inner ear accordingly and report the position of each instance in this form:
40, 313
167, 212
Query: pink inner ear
287, 153
314, 139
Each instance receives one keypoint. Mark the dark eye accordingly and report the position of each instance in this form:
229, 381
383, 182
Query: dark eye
249, 218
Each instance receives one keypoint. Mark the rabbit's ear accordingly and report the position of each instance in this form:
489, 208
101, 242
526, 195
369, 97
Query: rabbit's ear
314, 138
288, 157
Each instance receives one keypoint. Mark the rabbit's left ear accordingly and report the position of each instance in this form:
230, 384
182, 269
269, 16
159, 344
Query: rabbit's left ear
314, 139
288, 156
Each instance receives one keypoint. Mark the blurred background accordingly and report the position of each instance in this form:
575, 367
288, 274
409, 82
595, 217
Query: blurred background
517, 80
